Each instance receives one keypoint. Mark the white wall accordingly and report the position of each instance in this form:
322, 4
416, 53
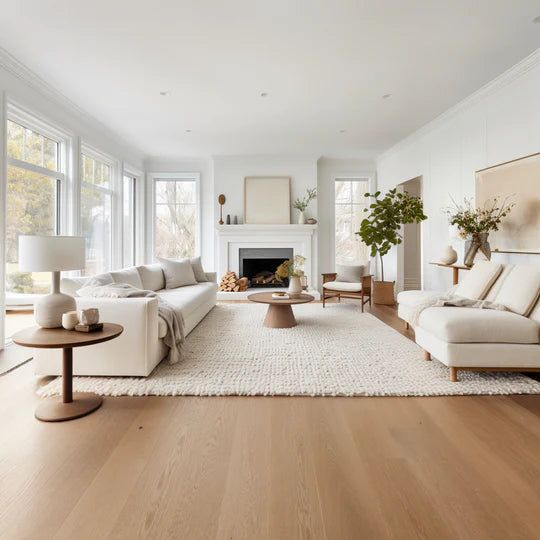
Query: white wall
498, 123
203, 166
327, 171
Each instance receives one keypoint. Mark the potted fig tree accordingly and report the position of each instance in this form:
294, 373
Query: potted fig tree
381, 230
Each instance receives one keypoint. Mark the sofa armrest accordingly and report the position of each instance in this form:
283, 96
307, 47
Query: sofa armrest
211, 276
329, 276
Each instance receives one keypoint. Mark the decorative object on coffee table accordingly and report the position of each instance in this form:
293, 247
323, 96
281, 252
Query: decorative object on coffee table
294, 270
221, 201
52, 254
280, 313
381, 230
69, 406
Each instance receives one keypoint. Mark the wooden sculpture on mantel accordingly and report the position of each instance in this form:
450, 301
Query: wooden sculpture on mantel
221, 201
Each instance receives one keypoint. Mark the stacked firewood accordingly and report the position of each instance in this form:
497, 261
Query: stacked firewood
231, 283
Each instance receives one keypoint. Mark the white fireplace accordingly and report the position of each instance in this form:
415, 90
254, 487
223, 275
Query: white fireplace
302, 239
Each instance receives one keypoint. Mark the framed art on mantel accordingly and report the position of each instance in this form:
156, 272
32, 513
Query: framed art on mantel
267, 200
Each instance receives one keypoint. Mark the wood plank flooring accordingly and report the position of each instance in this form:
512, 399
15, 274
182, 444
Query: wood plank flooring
271, 468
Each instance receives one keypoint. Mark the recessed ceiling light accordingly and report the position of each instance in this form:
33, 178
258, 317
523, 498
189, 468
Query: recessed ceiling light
386, 96
163, 93
264, 94
188, 130
342, 131
536, 19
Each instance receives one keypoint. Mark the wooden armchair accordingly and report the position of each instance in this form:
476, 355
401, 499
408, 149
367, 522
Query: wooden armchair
339, 289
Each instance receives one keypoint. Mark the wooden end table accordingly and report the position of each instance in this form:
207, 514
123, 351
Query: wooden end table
68, 406
455, 269
280, 313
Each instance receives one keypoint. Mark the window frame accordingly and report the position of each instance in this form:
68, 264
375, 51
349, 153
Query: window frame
151, 207
115, 192
353, 177
136, 176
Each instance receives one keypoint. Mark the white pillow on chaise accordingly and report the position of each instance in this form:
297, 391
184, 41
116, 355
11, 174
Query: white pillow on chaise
177, 273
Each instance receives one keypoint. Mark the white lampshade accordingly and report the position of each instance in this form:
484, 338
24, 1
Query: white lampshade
51, 253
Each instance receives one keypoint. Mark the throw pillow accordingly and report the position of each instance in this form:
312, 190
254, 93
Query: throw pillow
177, 273
198, 270
351, 273
152, 277
129, 276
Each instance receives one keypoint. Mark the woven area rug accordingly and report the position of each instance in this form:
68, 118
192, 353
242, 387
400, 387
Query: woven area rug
335, 351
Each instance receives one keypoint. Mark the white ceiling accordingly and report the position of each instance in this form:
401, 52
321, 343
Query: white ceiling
324, 63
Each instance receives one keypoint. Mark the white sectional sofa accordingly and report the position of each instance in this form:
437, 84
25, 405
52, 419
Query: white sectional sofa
482, 339
138, 350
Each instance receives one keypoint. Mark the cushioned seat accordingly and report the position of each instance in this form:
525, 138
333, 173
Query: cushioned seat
415, 298
342, 286
469, 325
190, 297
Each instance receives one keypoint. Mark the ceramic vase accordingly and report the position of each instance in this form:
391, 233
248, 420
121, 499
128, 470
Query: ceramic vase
295, 287
301, 218
449, 255
476, 242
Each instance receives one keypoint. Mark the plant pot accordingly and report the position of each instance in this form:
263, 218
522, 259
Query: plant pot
475, 243
383, 293
295, 287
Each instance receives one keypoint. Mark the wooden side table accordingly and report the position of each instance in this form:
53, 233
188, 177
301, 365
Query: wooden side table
455, 270
69, 405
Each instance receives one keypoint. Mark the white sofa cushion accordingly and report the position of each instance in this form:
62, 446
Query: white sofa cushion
519, 291
127, 275
478, 280
152, 277
72, 285
198, 270
417, 298
342, 286
190, 297
351, 273
469, 325
177, 273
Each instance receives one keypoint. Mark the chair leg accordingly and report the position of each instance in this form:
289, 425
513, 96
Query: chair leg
453, 375
407, 325
339, 298
323, 299
362, 301
427, 355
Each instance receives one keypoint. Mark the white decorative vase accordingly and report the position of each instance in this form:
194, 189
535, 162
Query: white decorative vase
295, 287
301, 218
449, 255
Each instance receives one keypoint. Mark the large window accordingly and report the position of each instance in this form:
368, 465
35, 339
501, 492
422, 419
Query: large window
128, 219
34, 181
349, 210
96, 213
175, 217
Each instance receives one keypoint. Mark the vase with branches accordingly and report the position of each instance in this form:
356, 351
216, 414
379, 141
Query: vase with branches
302, 204
474, 224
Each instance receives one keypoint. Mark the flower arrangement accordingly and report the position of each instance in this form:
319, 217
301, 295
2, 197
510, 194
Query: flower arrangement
292, 268
472, 221
302, 204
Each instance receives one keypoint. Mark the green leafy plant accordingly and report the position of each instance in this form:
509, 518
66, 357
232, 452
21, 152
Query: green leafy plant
472, 221
381, 229
302, 204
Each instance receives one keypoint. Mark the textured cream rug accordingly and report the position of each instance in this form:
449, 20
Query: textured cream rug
336, 351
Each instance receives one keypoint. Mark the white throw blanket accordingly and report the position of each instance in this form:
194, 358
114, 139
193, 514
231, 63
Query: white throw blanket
452, 300
172, 317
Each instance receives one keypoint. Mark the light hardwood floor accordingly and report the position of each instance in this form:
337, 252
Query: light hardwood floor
262, 467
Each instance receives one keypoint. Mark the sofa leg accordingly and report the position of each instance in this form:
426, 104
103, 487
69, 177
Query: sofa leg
427, 355
453, 374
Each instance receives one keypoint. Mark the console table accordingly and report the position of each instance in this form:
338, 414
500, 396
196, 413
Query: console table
68, 406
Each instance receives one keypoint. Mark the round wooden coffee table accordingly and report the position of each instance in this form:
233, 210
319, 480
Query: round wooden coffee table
69, 405
280, 313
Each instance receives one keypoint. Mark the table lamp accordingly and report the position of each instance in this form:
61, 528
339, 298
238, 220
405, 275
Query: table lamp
52, 254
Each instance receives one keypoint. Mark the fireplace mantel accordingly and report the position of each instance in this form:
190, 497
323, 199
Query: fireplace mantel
301, 238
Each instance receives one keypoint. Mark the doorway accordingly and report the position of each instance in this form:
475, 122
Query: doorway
410, 251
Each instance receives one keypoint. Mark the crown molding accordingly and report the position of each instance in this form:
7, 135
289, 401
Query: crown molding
31, 79
507, 77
